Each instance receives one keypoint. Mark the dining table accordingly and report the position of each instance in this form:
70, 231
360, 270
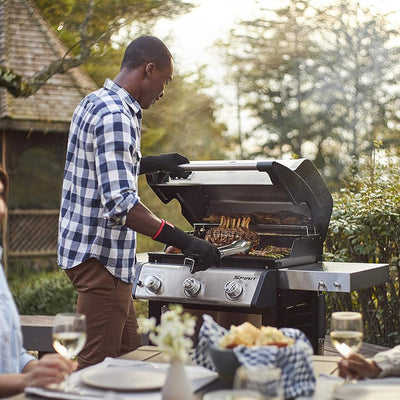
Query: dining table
325, 368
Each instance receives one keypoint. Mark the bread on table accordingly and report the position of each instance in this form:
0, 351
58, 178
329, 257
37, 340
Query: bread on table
247, 334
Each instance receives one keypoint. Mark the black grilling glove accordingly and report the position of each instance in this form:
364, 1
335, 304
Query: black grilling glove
204, 253
165, 162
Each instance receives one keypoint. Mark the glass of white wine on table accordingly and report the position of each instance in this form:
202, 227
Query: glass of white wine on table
69, 337
347, 332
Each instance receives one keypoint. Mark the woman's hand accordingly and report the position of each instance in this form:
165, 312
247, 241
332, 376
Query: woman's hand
358, 367
50, 369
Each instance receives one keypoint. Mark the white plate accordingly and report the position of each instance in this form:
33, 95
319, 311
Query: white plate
387, 389
124, 378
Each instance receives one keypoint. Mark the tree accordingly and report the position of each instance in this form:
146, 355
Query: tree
322, 83
87, 27
359, 77
271, 56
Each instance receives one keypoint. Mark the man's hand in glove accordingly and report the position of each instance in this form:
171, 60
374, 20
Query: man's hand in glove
204, 253
165, 162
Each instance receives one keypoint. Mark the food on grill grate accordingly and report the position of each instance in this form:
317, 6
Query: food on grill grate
213, 218
281, 218
271, 252
248, 335
278, 218
231, 229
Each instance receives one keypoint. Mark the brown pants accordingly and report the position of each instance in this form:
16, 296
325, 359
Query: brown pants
110, 316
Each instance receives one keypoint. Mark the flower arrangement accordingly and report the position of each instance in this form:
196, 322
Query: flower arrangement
173, 333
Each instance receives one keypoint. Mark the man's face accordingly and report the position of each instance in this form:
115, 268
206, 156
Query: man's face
155, 85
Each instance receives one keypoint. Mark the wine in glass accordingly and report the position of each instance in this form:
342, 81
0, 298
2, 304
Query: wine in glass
69, 335
346, 332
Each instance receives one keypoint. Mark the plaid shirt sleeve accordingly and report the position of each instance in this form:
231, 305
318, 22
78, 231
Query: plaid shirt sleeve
116, 159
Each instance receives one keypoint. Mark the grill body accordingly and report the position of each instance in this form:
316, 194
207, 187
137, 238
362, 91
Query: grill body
290, 206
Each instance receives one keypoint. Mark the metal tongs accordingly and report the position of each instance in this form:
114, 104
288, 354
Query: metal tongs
236, 247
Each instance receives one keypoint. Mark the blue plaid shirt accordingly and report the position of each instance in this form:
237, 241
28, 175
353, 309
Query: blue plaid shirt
100, 182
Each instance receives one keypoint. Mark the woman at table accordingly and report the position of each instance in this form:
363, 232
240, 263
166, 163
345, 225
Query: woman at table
385, 363
18, 369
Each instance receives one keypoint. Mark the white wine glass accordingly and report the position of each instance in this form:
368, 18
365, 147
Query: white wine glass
69, 336
347, 332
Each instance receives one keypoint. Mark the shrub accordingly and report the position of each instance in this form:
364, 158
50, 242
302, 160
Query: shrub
49, 294
365, 227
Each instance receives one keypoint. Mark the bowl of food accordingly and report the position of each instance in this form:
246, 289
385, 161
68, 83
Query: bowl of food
246, 334
225, 361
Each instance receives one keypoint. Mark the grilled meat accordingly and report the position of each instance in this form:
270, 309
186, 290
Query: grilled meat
278, 218
231, 229
271, 252
213, 218
281, 218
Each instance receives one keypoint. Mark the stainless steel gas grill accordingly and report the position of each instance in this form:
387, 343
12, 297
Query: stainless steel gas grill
282, 210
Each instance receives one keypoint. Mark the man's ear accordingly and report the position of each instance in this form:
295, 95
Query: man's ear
150, 67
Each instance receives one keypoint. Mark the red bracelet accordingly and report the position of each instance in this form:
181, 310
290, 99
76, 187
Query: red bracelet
159, 229
163, 223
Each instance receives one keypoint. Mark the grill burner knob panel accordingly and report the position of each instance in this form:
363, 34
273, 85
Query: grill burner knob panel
233, 289
212, 285
191, 287
152, 283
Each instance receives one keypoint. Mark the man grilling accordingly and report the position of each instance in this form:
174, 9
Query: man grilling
100, 207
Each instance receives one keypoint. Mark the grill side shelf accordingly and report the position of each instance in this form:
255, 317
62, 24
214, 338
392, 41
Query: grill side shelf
334, 276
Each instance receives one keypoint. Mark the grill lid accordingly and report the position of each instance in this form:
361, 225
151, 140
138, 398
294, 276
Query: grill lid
246, 187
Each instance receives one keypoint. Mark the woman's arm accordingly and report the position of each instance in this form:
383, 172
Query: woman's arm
389, 362
358, 367
51, 368
385, 363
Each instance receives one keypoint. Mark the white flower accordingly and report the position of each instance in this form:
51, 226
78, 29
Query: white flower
173, 333
146, 325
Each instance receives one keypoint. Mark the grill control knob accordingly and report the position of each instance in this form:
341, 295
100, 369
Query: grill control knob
233, 289
191, 287
152, 283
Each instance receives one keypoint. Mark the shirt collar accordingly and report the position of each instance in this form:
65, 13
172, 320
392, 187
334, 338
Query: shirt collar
124, 95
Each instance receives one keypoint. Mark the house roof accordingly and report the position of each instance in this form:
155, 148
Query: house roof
27, 44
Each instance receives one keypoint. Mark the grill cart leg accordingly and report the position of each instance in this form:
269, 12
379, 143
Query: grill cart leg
155, 310
321, 316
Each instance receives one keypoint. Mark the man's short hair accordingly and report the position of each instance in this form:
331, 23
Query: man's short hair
144, 50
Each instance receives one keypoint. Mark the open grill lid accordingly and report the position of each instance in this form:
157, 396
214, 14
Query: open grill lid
246, 187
